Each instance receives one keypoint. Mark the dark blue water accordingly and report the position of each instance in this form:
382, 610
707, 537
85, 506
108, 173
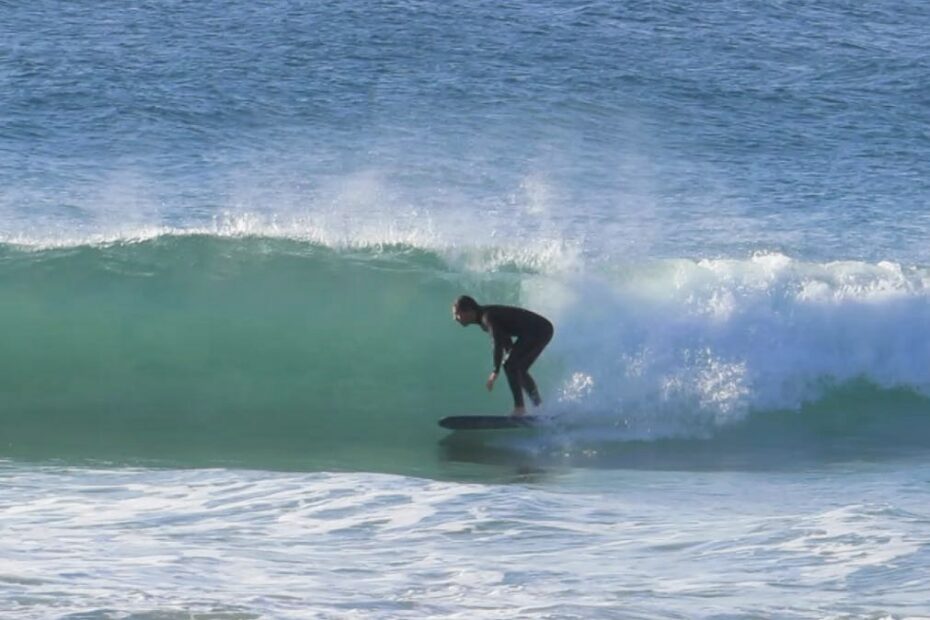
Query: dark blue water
630, 128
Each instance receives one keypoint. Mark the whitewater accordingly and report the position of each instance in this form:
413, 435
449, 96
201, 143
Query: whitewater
231, 234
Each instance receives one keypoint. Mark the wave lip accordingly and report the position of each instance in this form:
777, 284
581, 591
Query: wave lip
412, 231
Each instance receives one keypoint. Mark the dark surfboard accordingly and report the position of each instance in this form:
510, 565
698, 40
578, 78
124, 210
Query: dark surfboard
487, 422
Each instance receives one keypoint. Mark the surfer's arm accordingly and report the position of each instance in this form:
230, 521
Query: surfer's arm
501, 344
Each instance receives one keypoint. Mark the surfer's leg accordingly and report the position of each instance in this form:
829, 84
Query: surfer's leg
530, 386
514, 372
527, 357
524, 352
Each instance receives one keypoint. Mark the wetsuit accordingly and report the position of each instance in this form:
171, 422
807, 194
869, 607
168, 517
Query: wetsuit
532, 332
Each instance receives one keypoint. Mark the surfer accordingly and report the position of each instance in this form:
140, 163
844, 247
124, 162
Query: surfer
504, 323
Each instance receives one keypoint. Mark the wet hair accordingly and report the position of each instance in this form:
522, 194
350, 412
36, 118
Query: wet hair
464, 302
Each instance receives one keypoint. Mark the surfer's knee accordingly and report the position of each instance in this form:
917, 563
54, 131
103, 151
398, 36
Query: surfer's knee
511, 367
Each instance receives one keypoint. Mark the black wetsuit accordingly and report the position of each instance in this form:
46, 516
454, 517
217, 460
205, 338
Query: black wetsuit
532, 332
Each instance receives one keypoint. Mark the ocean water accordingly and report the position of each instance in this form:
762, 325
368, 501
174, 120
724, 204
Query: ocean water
230, 234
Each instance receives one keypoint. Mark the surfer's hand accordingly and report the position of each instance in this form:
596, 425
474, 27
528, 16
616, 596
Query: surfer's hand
491, 380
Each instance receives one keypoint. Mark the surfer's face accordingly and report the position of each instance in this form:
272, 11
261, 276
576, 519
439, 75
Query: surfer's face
464, 317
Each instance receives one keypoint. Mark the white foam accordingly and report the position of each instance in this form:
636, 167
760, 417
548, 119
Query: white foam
683, 346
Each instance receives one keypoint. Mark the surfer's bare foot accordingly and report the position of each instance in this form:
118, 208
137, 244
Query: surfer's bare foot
537, 401
518, 411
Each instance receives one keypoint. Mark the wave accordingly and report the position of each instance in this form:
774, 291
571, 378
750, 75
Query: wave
286, 352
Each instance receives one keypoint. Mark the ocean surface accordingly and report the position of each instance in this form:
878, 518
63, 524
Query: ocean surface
231, 232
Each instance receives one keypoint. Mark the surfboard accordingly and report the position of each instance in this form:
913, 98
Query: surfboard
486, 422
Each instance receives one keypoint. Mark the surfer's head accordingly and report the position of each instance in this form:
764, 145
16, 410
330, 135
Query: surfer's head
465, 310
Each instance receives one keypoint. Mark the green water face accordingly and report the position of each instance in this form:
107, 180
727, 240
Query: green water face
244, 351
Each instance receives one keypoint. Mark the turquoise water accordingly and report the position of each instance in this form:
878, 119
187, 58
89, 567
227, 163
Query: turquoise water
230, 234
